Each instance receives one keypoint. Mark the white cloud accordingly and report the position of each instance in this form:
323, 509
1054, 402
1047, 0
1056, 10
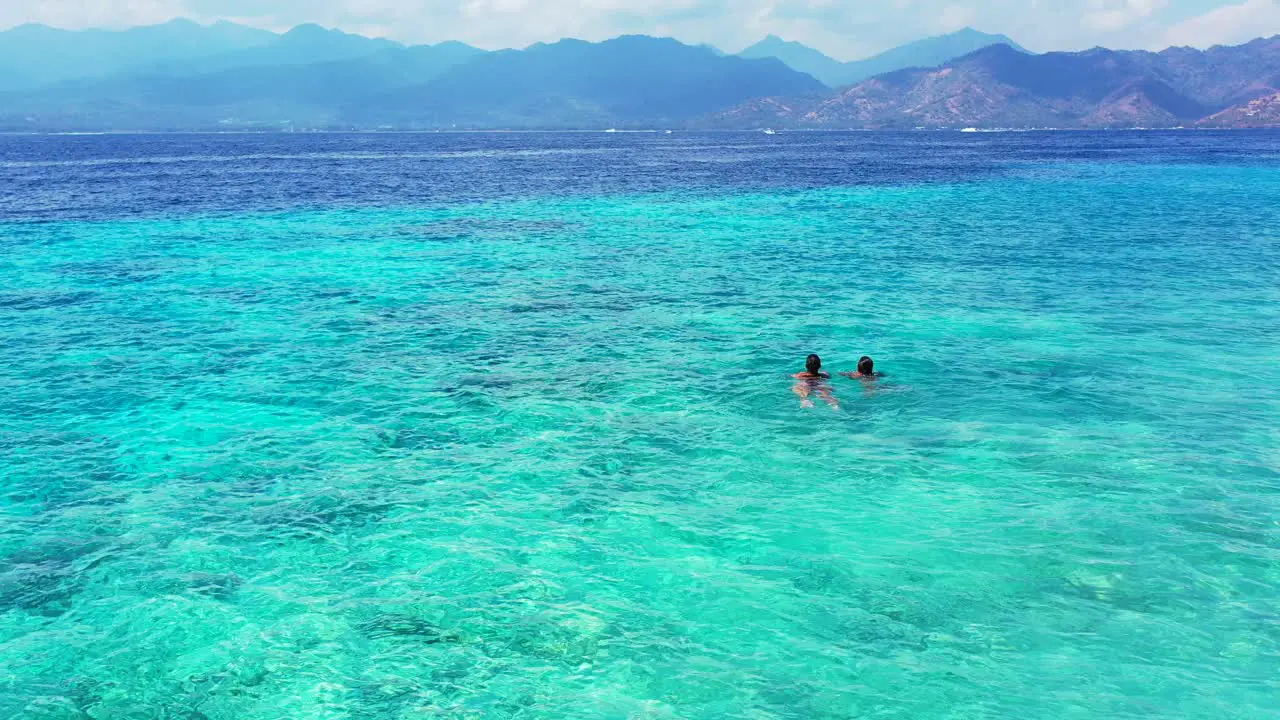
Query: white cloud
953, 17
80, 14
1112, 15
1229, 25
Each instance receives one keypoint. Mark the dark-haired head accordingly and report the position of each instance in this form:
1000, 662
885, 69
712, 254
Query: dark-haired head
813, 364
866, 366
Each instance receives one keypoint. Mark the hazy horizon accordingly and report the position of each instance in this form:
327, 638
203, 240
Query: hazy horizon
844, 33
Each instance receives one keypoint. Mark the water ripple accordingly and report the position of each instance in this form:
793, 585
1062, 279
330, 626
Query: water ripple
541, 458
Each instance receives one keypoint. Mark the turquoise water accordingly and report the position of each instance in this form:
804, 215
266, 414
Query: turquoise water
539, 457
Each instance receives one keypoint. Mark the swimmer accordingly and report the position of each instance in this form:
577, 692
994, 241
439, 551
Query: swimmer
814, 381
866, 370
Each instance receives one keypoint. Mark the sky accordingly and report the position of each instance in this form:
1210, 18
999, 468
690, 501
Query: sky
844, 29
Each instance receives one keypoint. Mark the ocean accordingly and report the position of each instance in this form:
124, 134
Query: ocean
502, 426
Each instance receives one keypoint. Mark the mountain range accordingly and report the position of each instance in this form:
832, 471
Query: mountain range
999, 86
627, 81
33, 56
316, 78
184, 76
833, 73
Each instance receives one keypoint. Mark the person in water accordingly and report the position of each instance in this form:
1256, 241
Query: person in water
813, 381
866, 370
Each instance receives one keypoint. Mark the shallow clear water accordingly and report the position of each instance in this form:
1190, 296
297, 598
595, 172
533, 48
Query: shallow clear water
502, 426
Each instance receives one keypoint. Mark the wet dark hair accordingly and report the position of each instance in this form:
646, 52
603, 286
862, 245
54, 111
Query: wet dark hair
866, 365
813, 363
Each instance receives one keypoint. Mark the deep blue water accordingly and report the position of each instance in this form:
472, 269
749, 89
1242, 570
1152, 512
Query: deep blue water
502, 425
96, 177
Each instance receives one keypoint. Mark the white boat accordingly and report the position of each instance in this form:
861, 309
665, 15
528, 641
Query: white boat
612, 130
770, 131
970, 130
668, 132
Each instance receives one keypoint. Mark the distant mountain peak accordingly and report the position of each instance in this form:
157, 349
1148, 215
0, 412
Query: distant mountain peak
970, 36
927, 52
310, 37
638, 39
995, 50
27, 28
772, 40
798, 57
1000, 86
454, 44
312, 29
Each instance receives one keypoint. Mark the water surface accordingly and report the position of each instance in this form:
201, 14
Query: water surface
500, 426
